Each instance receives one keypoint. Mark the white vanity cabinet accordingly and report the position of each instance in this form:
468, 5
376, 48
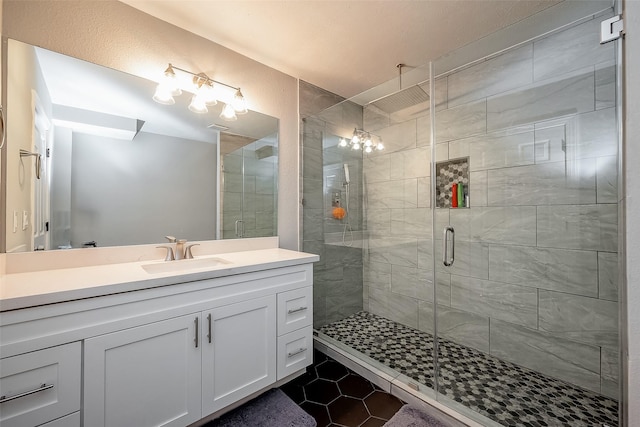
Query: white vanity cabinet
40, 386
144, 376
238, 351
164, 356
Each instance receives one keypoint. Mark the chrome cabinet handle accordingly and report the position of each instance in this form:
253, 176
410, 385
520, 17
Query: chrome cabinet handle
448, 262
300, 350
209, 335
196, 338
43, 387
296, 310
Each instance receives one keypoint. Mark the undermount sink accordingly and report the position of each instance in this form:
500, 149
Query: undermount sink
183, 265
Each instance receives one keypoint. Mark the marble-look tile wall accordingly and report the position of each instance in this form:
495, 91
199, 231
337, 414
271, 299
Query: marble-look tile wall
338, 275
249, 193
535, 276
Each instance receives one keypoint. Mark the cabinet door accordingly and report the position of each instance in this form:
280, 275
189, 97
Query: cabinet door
144, 376
40, 386
241, 357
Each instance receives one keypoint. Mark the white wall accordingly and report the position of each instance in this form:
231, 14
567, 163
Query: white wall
116, 35
631, 204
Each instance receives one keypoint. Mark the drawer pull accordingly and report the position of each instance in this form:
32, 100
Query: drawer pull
43, 387
296, 310
300, 350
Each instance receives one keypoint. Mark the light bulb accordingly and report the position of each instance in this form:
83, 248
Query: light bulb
356, 146
170, 81
208, 94
380, 147
343, 142
198, 105
239, 104
367, 142
228, 113
368, 149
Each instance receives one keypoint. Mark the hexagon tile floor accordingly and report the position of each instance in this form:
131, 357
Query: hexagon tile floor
337, 397
499, 390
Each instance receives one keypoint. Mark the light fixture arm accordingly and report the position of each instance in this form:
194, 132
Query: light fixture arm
201, 76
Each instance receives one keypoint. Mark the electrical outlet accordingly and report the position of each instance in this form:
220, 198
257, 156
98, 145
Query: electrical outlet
25, 220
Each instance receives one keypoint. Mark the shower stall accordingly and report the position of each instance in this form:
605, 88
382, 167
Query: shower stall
474, 263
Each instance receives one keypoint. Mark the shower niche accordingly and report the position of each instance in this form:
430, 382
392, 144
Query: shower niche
452, 183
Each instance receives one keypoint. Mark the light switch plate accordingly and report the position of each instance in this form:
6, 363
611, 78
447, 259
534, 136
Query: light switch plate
15, 221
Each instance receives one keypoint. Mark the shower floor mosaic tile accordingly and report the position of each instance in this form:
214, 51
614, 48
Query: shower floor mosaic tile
499, 390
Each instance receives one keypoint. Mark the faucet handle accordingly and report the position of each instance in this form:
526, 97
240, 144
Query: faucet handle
169, 249
187, 251
171, 239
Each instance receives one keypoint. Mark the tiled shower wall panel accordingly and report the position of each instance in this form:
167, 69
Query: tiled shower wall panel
338, 274
249, 196
535, 276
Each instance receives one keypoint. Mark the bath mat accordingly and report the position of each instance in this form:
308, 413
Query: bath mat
408, 416
271, 409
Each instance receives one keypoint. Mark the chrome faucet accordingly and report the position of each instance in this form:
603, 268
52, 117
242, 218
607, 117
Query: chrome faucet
182, 251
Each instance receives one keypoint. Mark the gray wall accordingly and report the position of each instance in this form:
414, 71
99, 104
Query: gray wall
136, 192
535, 277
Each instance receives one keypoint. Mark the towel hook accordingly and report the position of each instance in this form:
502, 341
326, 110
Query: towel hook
25, 153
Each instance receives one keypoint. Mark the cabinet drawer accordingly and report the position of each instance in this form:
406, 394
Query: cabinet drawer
295, 309
40, 386
295, 351
72, 420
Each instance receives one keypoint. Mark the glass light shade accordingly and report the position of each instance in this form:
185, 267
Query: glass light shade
380, 147
228, 113
367, 142
208, 94
163, 95
343, 142
368, 149
356, 146
355, 139
170, 82
198, 105
239, 104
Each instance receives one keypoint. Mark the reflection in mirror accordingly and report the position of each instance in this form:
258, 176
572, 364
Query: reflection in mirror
117, 168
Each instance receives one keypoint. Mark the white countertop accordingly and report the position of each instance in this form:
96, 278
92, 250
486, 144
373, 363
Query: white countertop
34, 288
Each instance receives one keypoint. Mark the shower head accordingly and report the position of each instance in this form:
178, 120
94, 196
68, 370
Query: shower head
402, 99
347, 180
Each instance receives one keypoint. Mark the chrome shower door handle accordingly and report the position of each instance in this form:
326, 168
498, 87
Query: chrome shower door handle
445, 246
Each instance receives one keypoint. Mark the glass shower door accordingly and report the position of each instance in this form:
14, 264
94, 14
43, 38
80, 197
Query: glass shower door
249, 176
526, 178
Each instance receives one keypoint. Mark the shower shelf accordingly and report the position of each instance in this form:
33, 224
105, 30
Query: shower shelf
449, 172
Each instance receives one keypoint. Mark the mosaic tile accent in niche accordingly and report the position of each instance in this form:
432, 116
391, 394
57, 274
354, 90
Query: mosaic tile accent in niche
449, 173
504, 392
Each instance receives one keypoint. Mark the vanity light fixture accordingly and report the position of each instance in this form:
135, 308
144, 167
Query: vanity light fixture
204, 94
362, 140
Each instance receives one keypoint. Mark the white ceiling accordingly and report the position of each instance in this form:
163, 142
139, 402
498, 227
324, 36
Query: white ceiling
345, 46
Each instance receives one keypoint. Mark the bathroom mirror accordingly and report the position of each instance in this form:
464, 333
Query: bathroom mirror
117, 168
